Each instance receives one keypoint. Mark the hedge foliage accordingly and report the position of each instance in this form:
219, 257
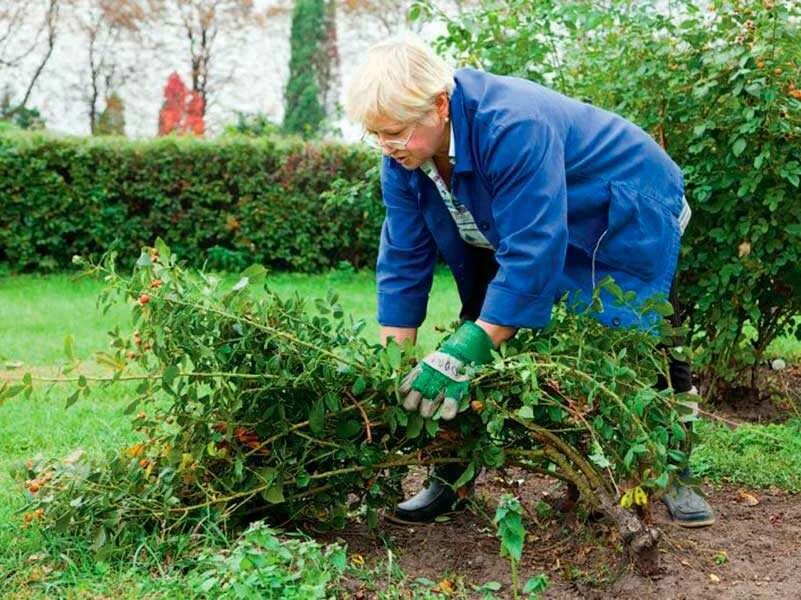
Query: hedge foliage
227, 202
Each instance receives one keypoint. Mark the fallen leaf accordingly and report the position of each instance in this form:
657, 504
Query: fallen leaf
445, 587
744, 249
744, 497
714, 578
357, 559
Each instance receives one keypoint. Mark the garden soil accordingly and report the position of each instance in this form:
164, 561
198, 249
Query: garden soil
753, 551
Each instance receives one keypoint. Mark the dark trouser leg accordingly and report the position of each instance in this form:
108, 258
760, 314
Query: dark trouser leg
484, 268
687, 507
680, 371
438, 497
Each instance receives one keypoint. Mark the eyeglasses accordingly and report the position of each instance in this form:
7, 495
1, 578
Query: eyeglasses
374, 140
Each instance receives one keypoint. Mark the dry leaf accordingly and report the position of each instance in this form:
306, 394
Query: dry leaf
744, 497
744, 249
714, 578
357, 559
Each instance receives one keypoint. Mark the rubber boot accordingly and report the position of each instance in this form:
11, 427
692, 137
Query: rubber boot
437, 498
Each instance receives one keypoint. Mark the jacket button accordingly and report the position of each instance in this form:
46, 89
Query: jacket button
616, 322
483, 225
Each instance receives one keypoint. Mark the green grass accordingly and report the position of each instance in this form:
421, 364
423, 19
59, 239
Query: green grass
757, 456
36, 312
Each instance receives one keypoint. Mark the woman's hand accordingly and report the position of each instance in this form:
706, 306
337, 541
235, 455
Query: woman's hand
441, 379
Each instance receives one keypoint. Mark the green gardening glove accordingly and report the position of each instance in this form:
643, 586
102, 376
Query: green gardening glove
440, 379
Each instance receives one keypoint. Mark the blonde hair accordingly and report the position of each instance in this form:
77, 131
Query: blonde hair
399, 79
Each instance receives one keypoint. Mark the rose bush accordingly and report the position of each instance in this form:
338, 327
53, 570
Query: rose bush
252, 405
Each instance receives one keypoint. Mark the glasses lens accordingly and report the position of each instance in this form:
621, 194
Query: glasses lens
371, 140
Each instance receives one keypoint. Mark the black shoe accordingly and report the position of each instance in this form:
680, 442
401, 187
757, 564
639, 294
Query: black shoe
437, 498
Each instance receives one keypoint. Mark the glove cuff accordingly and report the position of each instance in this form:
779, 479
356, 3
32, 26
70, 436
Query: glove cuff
469, 343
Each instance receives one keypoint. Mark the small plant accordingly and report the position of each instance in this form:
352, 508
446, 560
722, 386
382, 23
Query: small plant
512, 533
535, 586
267, 564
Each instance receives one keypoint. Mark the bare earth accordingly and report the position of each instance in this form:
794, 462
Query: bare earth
753, 551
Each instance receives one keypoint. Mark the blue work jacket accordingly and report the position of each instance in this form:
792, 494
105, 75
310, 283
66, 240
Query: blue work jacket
566, 192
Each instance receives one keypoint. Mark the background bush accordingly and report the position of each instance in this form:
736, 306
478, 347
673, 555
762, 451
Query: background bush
231, 201
718, 88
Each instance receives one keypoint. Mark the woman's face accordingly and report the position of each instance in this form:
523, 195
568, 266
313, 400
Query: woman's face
426, 138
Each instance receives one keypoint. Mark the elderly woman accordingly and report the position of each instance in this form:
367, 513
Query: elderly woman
527, 194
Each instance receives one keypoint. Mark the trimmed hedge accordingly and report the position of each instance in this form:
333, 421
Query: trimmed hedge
230, 201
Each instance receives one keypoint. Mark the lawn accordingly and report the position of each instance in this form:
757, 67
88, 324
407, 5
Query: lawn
37, 312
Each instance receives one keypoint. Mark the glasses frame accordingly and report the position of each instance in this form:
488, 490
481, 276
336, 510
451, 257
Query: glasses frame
374, 140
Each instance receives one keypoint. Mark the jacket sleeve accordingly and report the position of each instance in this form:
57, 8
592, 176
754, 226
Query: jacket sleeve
407, 255
529, 207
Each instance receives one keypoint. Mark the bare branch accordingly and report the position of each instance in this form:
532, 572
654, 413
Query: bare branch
52, 18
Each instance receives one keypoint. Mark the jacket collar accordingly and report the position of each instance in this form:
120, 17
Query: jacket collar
459, 130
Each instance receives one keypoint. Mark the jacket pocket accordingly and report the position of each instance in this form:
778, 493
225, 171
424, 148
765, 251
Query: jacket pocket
639, 236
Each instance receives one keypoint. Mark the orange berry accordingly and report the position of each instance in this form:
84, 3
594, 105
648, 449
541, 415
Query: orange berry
144, 463
156, 283
477, 405
143, 299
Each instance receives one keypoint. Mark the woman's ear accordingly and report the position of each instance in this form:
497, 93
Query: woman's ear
443, 106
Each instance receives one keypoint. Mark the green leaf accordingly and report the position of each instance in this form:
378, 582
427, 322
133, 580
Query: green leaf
508, 517
317, 417
348, 429
144, 260
432, 427
493, 457
169, 375
99, 538
468, 475
72, 399
537, 584
163, 249
394, 354
599, 458
255, 273
241, 284
359, 386
525, 412
738, 147
414, 426
69, 347
274, 494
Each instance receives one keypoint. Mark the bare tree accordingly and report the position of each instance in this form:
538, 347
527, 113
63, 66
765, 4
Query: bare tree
17, 44
202, 22
109, 27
